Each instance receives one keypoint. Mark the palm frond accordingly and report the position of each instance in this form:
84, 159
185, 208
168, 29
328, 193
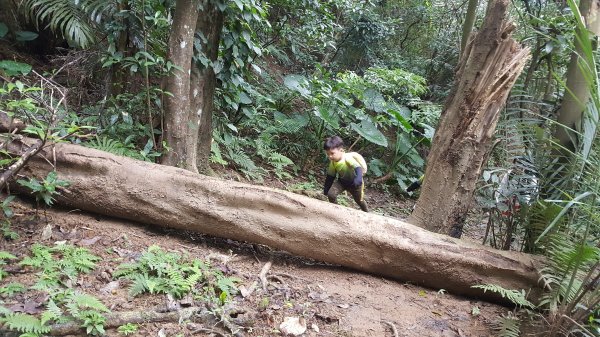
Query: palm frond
65, 17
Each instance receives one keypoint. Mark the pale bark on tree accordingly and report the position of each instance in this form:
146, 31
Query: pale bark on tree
188, 113
181, 123
577, 92
210, 23
172, 197
487, 71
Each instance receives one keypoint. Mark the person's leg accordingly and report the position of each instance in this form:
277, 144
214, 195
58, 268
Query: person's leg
335, 189
358, 194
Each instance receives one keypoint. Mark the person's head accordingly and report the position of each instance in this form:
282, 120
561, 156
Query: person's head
334, 148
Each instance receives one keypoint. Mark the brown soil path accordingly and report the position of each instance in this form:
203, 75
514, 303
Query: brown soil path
333, 300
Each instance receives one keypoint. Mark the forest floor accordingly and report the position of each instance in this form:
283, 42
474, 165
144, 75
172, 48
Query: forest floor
330, 300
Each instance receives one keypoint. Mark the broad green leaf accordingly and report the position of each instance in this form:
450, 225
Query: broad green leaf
3, 29
374, 100
244, 99
369, 131
297, 83
326, 115
26, 36
13, 68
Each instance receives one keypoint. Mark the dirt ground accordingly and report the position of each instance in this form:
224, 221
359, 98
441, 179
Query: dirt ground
331, 300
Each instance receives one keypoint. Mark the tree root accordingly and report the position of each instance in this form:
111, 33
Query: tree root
263, 274
393, 326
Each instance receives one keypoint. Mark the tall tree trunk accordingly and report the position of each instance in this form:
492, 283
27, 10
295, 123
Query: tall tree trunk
210, 23
181, 123
469, 22
117, 73
488, 69
577, 92
166, 196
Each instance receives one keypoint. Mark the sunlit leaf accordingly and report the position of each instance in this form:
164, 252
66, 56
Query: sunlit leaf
369, 131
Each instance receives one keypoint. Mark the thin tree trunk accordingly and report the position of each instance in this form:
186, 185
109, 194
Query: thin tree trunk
577, 92
488, 69
210, 23
469, 22
181, 124
171, 197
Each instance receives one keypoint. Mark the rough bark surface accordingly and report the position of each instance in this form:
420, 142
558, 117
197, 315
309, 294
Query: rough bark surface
210, 23
181, 126
488, 69
171, 197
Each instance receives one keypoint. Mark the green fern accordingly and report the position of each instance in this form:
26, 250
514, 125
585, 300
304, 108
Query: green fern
6, 256
568, 265
111, 145
507, 326
515, 296
3, 257
216, 156
139, 284
24, 323
59, 262
12, 288
52, 313
76, 302
160, 272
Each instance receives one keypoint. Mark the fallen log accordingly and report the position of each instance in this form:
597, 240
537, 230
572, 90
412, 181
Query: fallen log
167, 196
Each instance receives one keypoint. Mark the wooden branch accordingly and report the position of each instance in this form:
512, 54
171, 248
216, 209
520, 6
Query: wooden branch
13, 169
113, 320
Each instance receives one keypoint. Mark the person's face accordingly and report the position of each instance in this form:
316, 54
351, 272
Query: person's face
334, 154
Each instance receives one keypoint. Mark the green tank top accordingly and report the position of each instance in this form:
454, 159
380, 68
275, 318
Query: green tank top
344, 168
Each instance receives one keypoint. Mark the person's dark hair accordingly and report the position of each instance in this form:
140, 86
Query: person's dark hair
334, 142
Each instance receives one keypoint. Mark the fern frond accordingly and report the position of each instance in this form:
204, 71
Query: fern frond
139, 285
243, 161
52, 312
515, 296
24, 323
507, 326
108, 145
125, 269
6, 256
86, 301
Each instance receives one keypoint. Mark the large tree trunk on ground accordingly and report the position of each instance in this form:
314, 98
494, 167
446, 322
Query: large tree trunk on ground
488, 69
171, 197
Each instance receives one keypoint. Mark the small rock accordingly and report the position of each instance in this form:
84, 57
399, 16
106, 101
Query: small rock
294, 326
110, 288
315, 327
47, 232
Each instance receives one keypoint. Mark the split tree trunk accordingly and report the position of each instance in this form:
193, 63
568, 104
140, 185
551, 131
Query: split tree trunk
171, 197
488, 69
